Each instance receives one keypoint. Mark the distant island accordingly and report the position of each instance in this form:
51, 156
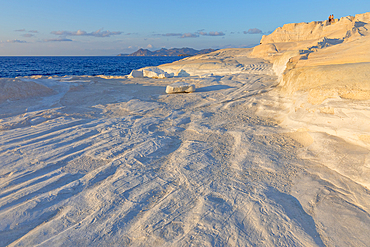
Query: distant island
167, 52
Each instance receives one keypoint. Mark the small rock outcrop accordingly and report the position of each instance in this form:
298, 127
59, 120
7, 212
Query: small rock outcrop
180, 87
136, 74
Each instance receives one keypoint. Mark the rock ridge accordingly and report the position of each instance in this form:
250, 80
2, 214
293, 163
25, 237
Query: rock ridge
321, 57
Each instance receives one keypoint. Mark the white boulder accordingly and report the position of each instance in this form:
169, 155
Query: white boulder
182, 73
180, 87
150, 72
136, 74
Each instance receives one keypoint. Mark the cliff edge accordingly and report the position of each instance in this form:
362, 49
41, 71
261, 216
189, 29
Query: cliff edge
324, 59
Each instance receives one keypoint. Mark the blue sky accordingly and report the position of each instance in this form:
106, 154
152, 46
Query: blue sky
107, 27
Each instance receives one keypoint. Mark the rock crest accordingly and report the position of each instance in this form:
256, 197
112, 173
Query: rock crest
320, 56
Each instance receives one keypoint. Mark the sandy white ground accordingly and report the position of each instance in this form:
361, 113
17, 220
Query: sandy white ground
98, 161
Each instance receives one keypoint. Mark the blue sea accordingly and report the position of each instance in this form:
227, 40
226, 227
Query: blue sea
11, 67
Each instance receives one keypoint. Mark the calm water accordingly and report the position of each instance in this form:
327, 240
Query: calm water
26, 66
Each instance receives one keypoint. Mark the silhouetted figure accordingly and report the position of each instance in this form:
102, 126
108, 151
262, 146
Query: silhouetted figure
331, 18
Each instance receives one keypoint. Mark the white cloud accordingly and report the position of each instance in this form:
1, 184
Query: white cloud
27, 35
16, 41
24, 30
57, 40
253, 31
98, 33
189, 35
212, 33
192, 35
172, 34
149, 46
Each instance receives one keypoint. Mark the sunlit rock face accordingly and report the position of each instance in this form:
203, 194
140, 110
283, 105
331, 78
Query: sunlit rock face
272, 149
180, 87
326, 59
344, 27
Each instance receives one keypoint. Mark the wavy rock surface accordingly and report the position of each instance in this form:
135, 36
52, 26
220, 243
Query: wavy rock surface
319, 57
114, 161
218, 63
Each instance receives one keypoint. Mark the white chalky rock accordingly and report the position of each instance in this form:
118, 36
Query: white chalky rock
182, 73
180, 87
136, 74
153, 72
150, 73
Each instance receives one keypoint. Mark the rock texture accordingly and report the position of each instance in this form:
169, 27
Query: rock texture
136, 74
113, 161
180, 87
324, 59
14, 89
217, 63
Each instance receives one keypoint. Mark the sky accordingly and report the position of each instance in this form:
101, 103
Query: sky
111, 27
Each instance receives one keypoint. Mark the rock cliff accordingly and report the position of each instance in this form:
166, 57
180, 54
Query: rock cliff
325, 59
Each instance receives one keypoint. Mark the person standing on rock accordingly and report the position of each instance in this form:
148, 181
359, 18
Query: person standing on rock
331, 18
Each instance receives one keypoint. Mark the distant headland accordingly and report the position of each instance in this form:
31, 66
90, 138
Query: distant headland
167, 52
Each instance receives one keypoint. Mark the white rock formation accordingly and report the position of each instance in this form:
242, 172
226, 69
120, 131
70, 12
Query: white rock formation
14, 89
154, 72
180, 87
182, 73
136, 74
115, 162
219, 63
325, 60
150, 72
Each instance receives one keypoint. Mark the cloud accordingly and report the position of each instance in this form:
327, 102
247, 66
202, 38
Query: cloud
168, 34
149, 46
24, 30
133, 47
16, 41
253, 31
172, 34
27, 35
212, 33
98, 33
57, 40
189, 35
235, 46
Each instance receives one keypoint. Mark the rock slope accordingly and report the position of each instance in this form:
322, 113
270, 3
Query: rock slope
248, 159
322, 58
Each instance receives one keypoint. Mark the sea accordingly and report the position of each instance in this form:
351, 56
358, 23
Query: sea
11, 67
